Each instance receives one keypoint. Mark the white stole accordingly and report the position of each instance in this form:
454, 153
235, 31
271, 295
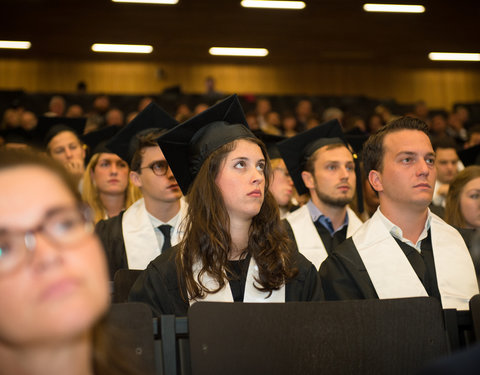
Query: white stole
252, 294
308, 240
393, 276
141, 243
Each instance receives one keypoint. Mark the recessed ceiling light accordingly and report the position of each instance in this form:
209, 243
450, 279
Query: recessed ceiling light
229, 51
171, 2
273, 4
15, 44
395, 8
122, 48
451, 56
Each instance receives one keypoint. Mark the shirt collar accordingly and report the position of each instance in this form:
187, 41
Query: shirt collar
156, 222
397, 232
317, 215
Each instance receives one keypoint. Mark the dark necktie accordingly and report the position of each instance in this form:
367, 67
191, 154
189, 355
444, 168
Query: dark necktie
165, 229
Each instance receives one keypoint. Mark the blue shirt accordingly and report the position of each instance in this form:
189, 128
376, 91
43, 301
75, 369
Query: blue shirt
317, 215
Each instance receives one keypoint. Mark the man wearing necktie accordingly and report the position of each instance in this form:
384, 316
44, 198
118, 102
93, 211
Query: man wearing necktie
152, 224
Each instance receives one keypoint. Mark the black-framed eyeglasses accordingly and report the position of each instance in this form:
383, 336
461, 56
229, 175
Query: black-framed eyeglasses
159, 167
61, 226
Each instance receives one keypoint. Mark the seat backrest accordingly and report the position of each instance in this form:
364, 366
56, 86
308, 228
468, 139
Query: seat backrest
394, 336
123, 281
132, 327
475, 311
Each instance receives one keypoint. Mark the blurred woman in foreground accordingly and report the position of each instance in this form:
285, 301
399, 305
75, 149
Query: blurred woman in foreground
53, 274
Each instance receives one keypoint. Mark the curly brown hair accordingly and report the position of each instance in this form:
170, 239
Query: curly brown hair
207, 235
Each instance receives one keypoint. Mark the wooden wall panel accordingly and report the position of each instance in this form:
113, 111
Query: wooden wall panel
440, 88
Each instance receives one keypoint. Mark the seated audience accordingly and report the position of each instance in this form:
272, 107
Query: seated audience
374, 122
107, 188
322, 165
473, 136
75, 110
438, 126
446, 165
53, 274
463, 200
289, 124
152, 224
56, 106
235, 247
60, 136
402, 250
281, 185
114, 117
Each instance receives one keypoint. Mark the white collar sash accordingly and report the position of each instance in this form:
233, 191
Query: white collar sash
393, 276
252, 294
141, 243
308, 240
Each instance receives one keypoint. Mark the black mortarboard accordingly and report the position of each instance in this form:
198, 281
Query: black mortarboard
356, 138
151, 118
270, 141
49, 127
188, 145
296, 150
470, 156
16, 135
96, 140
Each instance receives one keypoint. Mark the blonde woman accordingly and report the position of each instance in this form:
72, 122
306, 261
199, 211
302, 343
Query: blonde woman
106, 185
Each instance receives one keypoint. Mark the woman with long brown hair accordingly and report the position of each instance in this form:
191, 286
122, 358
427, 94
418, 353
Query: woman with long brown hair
235, 247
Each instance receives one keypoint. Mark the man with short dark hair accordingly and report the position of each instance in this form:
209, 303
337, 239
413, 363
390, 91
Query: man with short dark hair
403, 250
152, 224
446, 165
321, 164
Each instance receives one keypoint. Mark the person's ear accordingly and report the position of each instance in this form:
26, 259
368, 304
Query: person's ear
308, 180
375, 179
135, 179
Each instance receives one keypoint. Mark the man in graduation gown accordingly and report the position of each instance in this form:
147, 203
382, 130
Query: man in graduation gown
152, 224
403, 250
321, 164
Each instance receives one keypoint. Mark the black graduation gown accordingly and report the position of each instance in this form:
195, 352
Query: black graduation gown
158, 285
343, 275
111, 235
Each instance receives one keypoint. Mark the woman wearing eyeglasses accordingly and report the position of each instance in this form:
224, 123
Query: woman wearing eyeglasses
53, 275
234, 247
152, 224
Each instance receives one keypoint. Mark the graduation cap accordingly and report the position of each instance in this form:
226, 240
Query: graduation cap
16, 135
356, 139
188, 145
297, 150
151, 118
470, 156
97, 140
270, 141
49, 127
